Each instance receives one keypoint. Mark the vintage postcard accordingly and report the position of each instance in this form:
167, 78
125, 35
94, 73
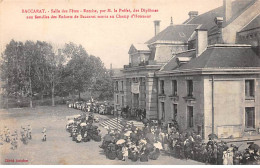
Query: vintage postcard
130, 82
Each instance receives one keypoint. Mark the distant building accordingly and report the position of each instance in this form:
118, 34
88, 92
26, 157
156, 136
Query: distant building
204, 73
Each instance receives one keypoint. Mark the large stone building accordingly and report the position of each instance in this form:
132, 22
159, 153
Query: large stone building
204, 73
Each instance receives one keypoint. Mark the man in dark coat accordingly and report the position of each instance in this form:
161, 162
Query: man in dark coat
111, 152
155, 154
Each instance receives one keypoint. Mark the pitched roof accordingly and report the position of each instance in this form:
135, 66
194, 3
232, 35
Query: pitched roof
141, 47
138, 48
174, 33
207, 19
172, 63
225, 56
255, 23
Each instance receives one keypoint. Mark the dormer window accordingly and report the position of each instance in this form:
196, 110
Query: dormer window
182, 60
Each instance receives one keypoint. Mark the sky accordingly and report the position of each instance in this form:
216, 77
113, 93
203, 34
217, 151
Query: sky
109, 39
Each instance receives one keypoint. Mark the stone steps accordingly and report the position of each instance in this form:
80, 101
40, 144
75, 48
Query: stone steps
112, 123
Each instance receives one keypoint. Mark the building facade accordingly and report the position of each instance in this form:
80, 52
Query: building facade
205, 73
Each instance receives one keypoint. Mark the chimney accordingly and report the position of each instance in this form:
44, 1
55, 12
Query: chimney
156, 27
171, 22
227, 4
201, 41
219, 23
193, 14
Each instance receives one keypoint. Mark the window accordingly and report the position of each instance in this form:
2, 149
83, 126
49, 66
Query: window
122, 85
250, 117
190, 116
116, 86
162, 86
117, 99
175, 111
123, 101
190, 88
174, 87
163, 111
249, 88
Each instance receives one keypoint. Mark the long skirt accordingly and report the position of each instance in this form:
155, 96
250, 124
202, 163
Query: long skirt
144, 158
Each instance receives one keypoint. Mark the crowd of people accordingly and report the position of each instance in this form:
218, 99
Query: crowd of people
92, 106
12, 138
191, 146
147, 143
81, 128
136, 113
132, 143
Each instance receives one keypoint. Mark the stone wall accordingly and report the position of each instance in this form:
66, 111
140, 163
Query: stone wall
229, 105
182, 102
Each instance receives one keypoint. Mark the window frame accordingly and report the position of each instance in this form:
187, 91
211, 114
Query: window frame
162, 91
116, 86
122, 85
123, 101
253, 126
249, 92
163, 110
175, 111
190, 88
117, 99
190, 117
174, 87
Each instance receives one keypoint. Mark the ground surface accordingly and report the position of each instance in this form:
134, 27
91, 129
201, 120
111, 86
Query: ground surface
59, 148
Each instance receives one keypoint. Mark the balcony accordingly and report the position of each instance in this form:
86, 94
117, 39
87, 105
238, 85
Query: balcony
250, 98
174, 97
149, 62
190, 98
141, 64
162, 97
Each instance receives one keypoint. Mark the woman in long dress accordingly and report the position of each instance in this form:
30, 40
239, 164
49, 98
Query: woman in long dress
125, 153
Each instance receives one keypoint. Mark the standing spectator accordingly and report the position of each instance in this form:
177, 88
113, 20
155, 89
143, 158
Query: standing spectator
44, 137
125, 153
29, 131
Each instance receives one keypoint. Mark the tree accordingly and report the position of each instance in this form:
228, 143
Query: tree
33, 69
78, 69
30, 57
30, 69
13, 70
55, 70
104, 85
50, 68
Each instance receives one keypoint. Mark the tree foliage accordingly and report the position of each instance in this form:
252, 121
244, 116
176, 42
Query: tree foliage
37, 70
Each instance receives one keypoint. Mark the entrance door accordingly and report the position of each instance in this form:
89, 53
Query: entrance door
136, 101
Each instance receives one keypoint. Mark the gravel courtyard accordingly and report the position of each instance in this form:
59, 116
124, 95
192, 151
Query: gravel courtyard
59, 149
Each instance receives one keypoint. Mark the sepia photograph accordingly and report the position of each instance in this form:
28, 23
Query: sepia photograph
130, 82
